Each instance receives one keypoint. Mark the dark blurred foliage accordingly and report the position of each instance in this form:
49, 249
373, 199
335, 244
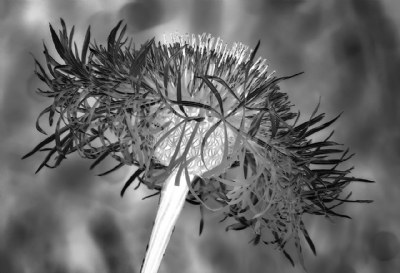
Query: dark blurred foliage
384, 245
33, 238
220, 254
15, 90
283, 21
349, 51
142, 14
109, 237
73, 180
5, 6
366, 49
206, 16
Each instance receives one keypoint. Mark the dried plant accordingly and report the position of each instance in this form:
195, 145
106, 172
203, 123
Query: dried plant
201, 117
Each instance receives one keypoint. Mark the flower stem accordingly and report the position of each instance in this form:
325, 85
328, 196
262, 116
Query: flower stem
171, 204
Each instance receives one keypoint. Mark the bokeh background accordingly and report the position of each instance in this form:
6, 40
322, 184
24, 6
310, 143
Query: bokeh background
68, 220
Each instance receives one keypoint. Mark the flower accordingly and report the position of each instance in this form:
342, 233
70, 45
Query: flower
202, 115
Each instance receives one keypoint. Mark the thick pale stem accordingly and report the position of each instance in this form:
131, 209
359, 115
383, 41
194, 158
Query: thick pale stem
170, 206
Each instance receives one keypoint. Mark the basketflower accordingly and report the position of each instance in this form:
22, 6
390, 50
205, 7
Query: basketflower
202, 122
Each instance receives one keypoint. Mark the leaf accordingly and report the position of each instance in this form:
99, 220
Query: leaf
298, 250
64, 28
178, 144
215, 93
237, 226
201, 220
354, 179
194, 104
357, 201
322, 172
166, 134
85, 45
111, 37
316, 108
297, 119
326, 161
195, 195
44, 143
57, 133
53, 151
249, 65
307, 237
274, 124
151, 195
276, 80
179, 93
305, 125
47, 109
47, 158
338, 214
321, 127
256, 239
68, 147
186, 151
167, 68
288, 257
221, 81
166, 78
71, 35
131, 180
100, 158
140, 60
57, 43
318, 144
183, 168
324, 152
205, 138
50, 63
43, 76
121, 35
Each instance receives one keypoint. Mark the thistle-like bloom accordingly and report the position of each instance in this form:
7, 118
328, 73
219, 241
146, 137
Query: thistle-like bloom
203, 122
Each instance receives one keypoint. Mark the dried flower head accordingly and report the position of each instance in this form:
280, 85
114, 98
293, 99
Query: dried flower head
211, 114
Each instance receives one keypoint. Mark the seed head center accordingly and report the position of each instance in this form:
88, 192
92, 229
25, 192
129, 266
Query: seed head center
213, 149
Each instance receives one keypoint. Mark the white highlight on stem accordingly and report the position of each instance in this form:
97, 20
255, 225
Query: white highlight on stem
170, 206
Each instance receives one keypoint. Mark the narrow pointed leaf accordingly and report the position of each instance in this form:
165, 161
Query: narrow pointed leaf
131, 180
201, 220
37, 120
179, 93
288, 257
215, 93
44, 143
100, 158
111, 37
274, 124
321, 127
57, 43
308, 239
85, 46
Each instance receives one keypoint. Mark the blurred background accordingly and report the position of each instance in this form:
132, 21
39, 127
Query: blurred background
68, 220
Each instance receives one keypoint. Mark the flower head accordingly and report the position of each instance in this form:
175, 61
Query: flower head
195, 105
